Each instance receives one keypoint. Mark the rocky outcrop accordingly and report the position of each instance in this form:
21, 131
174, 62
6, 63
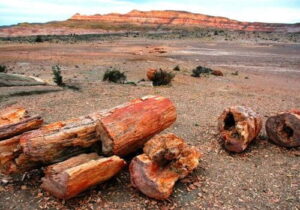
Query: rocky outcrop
180, 18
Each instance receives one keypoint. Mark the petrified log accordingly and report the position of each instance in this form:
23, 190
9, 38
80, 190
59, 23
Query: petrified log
217, 73
150, 73
15, 120
12, 159
69, 178
284, 128
238, 126
61, 140
126, 128
166, 159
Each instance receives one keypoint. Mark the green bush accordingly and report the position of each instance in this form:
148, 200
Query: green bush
57, 78
236, 73
162, 77
3, 68
176, 68
201, 70
39, 38
114, 75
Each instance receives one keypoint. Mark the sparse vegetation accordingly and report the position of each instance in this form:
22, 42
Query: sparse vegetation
114, 75
201, 70
39, 38
236, 73
176, 68
3, 68
162, 77
57, 77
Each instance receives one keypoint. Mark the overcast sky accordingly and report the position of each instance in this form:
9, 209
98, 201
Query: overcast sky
275, 11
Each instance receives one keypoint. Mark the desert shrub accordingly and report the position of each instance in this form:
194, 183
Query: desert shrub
162, 77
57, 77
201, 70
176, 68
236, 73
114, 75
39, 38
3, 68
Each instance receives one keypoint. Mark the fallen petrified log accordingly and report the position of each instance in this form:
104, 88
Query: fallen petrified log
284, 128
12, 159
238, 126
166, 159
126, 128
15, 120
69, 178
59, 141
122, 130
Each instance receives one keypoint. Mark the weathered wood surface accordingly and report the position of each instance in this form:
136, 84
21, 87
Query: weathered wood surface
238, 126
15, 120
61, 140
126, 128
12, 159
284, 128
69, 178
166, 159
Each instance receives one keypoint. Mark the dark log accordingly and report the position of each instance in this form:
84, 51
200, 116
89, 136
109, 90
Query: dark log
238, 126
284, 128
167, 158
69, 178
126, 128
15, 120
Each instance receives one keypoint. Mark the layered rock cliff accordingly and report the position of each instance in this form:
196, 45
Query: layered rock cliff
184, 19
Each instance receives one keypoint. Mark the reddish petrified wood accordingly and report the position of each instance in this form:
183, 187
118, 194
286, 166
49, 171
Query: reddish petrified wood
284, 128
15, 120
238, 126
60, 140
69, 178
12, 159
126, 128
167, 158
150, 73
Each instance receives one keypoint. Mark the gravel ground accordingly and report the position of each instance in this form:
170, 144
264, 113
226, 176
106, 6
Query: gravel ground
265, 176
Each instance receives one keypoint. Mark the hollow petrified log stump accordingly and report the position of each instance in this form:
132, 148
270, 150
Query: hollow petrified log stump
69, 178
166, 159
61, 140
238, 126
15, 120
284, 128
126, 128
12, 159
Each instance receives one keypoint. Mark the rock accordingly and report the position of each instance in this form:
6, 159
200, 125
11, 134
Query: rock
150, 73
217, 73
166, 159
19, 80
284, 128
238, 126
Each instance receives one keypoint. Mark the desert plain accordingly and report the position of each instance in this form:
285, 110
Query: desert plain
265, 176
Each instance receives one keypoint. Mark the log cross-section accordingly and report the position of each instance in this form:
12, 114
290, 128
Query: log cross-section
126, 128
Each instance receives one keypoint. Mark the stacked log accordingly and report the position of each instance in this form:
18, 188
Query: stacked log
284, 128
15, 120
166, 159
69, 178
126, 128
238, 126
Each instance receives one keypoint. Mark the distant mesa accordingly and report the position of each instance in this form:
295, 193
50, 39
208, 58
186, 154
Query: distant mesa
184, 19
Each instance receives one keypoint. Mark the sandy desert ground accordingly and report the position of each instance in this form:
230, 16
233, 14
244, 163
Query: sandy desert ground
265, 176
